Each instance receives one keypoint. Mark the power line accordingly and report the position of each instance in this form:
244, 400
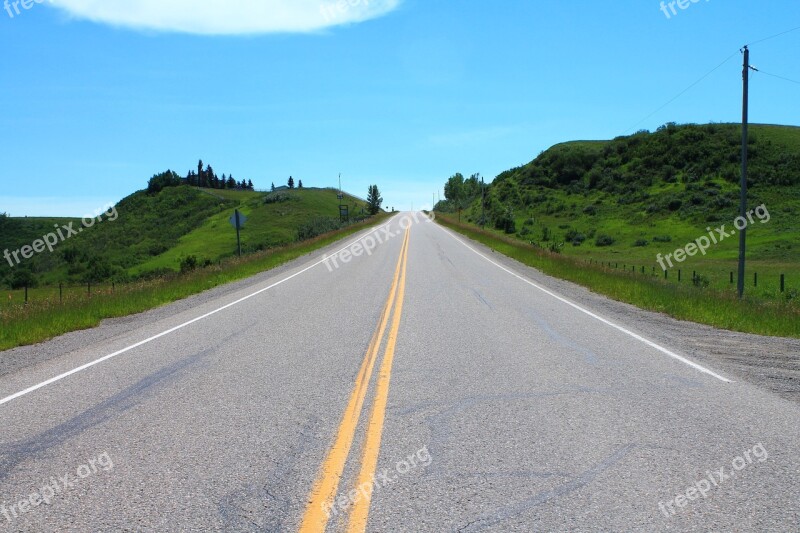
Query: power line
779, 77
775, 36
690, 87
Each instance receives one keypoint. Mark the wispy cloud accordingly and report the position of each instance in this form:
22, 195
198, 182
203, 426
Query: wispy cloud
227, 17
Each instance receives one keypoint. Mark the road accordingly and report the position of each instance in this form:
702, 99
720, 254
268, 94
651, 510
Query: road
424, 384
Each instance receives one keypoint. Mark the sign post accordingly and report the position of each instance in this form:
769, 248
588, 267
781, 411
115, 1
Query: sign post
237, 221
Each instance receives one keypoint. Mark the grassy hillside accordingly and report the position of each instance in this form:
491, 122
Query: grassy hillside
151, 233
627, 200
273, 219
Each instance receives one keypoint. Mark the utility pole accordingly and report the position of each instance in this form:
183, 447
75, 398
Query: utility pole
483, 204
743, 197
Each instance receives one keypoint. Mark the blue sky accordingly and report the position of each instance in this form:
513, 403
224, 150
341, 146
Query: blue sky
98, 95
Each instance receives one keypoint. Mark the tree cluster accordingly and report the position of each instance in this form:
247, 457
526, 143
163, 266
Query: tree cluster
206, 177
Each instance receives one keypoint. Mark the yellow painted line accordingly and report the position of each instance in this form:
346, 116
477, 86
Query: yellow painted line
372, 446
315, 518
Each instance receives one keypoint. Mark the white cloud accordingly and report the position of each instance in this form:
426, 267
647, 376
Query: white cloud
227, 17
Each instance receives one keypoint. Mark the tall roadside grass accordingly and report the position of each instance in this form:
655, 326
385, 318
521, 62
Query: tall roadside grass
721, 309
42, 319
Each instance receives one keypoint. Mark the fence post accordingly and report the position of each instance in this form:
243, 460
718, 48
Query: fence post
783, 279
731, 278
26, 294
666, 272
679, 274
112, 287
89, 288
755, 279
61, 293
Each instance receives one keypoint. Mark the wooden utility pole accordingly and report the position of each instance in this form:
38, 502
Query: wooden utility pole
743, 197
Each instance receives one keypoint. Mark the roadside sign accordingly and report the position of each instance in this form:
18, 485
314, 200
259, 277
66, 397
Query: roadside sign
238, 224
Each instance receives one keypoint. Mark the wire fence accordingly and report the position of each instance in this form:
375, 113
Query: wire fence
775, 283
60, 293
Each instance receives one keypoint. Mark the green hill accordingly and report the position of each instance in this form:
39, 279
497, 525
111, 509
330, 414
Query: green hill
147, 234
631, 198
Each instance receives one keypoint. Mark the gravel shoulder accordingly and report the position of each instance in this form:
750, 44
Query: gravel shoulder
771, 363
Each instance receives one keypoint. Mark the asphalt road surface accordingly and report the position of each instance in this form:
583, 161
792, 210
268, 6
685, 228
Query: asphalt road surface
415, 382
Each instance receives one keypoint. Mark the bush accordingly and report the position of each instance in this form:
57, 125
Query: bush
590, 210
505, 221
188, 263
277, 198
701, 281
604, 240
641, 243
22, 278
317, 226
575, 237
662, 238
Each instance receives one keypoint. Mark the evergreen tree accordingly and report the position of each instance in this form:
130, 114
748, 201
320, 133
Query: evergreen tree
374, 200
300, 184
291, 182
231, 182
250, 185
273, 186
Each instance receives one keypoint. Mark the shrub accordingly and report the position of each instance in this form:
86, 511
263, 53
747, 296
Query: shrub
317, 226
188, 263
701, 281
674, 204
662, 238
575, 237
590, 210
641, 242
604, 240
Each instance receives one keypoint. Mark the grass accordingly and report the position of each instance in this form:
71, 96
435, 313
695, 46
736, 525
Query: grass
712, 306
268, 225
44, 317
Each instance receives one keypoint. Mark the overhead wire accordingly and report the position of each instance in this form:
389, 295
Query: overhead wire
709, 73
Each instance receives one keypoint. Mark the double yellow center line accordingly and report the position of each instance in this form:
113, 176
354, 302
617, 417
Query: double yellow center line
321, 499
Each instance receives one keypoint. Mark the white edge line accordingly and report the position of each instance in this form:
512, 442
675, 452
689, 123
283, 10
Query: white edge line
181, 326
591, 314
